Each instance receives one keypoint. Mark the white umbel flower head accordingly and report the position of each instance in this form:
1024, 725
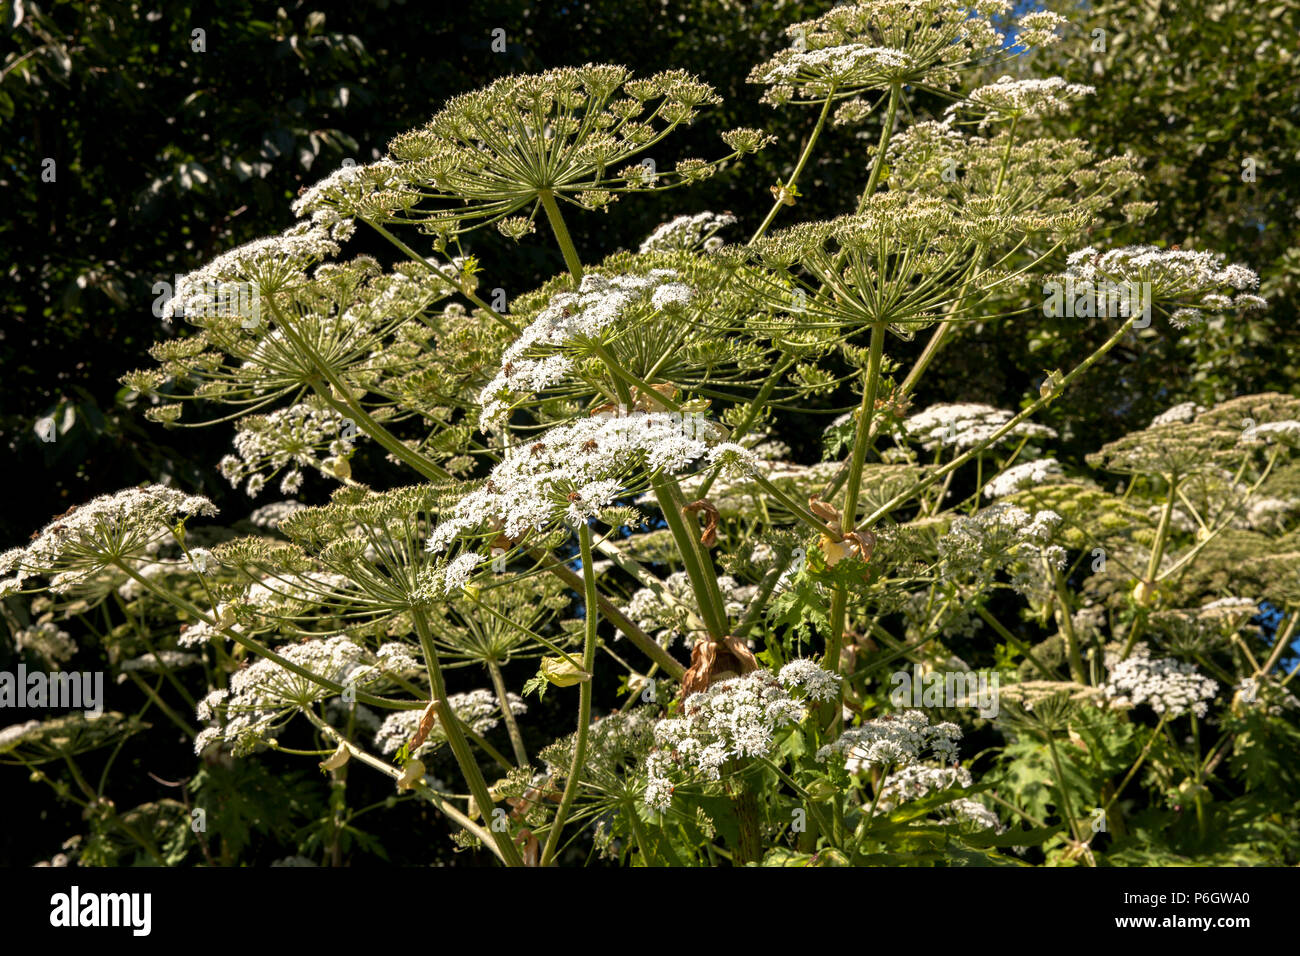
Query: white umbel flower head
1169, 687
125, 526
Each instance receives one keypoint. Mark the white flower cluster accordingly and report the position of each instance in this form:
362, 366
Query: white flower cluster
1287, 432
818, 683
687, 232
664, 612
1166, 685
1269, 513
266, 265
1171, 273
156, 662
478, 709
264, 694
1005, 536
1025, 475
854, 47
575, 470
814, 72
1178, 414
126, 525
970, 811
732, 719
1009, 98
894, 741
1038, 28
966, 424
290, 438
1230, 607
614, 743
270, 516
927, 141
347, 185
532, 364
46, 640
916, 780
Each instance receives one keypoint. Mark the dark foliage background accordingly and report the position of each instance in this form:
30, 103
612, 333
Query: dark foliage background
165, 156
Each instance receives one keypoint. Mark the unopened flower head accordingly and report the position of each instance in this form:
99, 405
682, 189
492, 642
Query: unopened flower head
496, 151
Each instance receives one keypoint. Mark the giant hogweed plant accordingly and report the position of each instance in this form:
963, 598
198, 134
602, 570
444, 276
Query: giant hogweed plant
596, 484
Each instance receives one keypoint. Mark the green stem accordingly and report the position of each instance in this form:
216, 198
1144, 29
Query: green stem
561, 234
1060, 783
512, 725
871, 387
574, 778
1134, 769
1153, 564
886, 130
866, 414
469, 768
1066, 625
342, 396
643, 641
798, 169
699, 568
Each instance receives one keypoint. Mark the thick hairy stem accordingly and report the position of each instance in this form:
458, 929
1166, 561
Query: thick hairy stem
870, 389
1153, 564
744, 801
699, 567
